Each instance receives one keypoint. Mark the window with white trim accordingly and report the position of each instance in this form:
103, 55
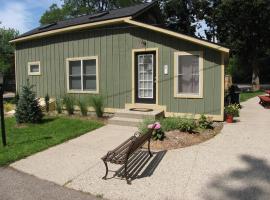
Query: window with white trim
34, 68
83, 74
188, 74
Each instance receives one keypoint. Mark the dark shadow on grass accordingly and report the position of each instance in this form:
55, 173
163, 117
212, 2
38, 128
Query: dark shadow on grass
32, 141
141, 165
47, 120
248, 183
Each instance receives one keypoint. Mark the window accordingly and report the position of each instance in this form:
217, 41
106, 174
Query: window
34, 68
188, 77
82, 75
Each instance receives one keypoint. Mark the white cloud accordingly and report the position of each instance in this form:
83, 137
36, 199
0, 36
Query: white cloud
23, 15
15, 15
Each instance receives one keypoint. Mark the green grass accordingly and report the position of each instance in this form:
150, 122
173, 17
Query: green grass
244, 96
31, 138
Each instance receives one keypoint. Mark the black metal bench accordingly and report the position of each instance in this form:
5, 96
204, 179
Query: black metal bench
122, 153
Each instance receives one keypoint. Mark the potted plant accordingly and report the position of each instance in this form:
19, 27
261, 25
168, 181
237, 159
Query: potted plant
231, 111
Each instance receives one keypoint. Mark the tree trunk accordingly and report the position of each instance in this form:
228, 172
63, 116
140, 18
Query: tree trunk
255, 76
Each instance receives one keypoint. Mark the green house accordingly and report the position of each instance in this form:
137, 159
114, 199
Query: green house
127, 57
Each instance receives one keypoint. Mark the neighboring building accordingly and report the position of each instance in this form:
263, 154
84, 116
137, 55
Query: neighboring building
123, 55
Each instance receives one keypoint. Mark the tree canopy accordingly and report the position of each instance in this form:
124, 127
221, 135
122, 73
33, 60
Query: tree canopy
244, 26
75, 8
6, 49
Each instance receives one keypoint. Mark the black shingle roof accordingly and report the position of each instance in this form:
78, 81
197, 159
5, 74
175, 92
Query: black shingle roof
112, 14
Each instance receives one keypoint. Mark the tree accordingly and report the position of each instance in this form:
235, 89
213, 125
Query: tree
6, 49
180, 15
244, 26
28, 109
53, 14
75, 8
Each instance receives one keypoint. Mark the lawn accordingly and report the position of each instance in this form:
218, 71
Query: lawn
244, 96
31, 138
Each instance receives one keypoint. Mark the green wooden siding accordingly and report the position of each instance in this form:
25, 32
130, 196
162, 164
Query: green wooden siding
113, 46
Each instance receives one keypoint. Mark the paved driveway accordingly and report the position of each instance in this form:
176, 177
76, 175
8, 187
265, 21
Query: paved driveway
233, 165
15, 185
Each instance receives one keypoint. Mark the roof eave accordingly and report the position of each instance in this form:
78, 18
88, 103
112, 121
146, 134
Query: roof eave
71, 28
179, 35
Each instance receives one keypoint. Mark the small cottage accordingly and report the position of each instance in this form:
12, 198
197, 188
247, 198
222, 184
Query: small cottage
126, 56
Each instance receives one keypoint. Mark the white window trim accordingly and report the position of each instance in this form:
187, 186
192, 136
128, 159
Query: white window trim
29, 68
97, 75
188, 95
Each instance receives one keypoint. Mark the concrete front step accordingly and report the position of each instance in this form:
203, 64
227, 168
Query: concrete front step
126, 117
122, 121
125, 113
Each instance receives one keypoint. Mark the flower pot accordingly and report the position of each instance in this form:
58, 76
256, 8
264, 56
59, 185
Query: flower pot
229, 118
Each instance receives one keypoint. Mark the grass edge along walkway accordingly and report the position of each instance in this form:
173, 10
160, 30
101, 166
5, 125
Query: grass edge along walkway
25, 140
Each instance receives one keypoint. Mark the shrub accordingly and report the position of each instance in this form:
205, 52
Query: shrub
8, 107
187, 124
58, 105
142, 127
178, 123
16, 98
69, 103
205, 123
98, 105
28, 109
170, 123
232, 109
83, 107
47, 103
158, 134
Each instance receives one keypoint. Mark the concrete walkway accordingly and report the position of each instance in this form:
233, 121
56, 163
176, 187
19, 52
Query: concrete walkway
233, 165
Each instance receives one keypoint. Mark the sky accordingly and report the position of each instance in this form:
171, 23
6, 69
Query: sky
24, 15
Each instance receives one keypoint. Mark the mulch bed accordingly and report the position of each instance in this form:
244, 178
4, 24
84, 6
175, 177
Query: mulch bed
177, 139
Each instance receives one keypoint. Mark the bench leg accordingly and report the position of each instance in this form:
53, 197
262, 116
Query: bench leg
149, 149
126, 174
106, 165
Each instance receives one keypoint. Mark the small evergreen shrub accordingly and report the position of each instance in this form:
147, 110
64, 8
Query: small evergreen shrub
98, 104
83, 107
58, 105
205, 123
16, 98
69, 103
47, 103
28, 109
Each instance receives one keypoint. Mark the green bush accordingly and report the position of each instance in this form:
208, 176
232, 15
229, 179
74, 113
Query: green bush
98, 104
47, 103
69, 103
58, 105
170, 123
205, 123
158, 134
28, 109
178, 123
142, 127
187, 124
83, 106
16, 98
